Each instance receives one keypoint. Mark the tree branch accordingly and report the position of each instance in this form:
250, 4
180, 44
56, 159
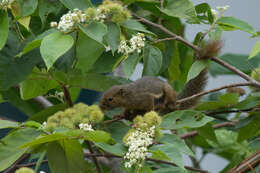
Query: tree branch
214, 90
216, 126
197, 49
15, 165
164, 39
247, 164
99, 170
67, 95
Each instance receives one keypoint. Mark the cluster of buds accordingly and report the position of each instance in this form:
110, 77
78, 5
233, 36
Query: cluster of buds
69, 20
79, 116
136, 43
140, 137
108, 10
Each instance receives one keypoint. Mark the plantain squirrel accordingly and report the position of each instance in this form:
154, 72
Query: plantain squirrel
152, 93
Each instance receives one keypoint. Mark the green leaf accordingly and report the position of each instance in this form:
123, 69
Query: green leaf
204, 12
240, 61
26, 8
185, 119
215, 33
80, 4
9, 151
88, 51
66, 157
29, 107
170, 170
146, 169
196, 68
117, 149
112, 38
15, 70
36, 84
231, 23
158, 154
182, 9
37, 41
229, 98
95, 30
105, 63
175, 141
45, 113
172, 152
174, 70
4, 28
53, 46
97, 136
130, 64
207, 132
250, 130
95, 82
255, 51
118, 134
8, 124
136, 26
152, 61
45, 139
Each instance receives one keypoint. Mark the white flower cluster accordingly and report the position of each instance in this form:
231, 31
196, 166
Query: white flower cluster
138, 141
69, 20
44, 124
135, 43
4, 4
101, 15
85, 127
220, 9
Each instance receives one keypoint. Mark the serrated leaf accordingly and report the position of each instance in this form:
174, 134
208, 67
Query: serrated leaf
88, 51
95, 31
9, 151
196, 68
130, 64
136, 26
182, 9
185, 119
112, 37
231, 23
117, 149
4, 29
53, 46
152, 61
80, 4
8, 124
255, 51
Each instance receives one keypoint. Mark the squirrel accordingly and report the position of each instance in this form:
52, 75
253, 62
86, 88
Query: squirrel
151, 93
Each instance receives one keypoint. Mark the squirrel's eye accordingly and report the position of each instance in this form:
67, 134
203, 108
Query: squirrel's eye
110, 99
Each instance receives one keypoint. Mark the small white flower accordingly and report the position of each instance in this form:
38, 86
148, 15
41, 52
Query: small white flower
44, 124
138, 143
136, 43
85, 127
222, 9
108, 48
214, 12
54, 24
42, 172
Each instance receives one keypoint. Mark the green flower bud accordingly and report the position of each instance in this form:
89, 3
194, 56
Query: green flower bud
157, 133
256, 75
138, 119
51, 126
85, 121
24, 170
95, 114
127, 135
66, 122
91, 13
152, 119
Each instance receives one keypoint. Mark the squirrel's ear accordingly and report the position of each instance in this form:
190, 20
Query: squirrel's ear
122, 92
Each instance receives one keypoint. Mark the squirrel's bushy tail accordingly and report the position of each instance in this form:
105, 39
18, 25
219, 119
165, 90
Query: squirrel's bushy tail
198, 84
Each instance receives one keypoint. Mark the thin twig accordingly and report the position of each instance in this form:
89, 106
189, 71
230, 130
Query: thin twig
164, 39
160, 15
233, 111
113, 120
167, 32
214, 90
67, 95
216, 126
14, 166
99, 170
30, 164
